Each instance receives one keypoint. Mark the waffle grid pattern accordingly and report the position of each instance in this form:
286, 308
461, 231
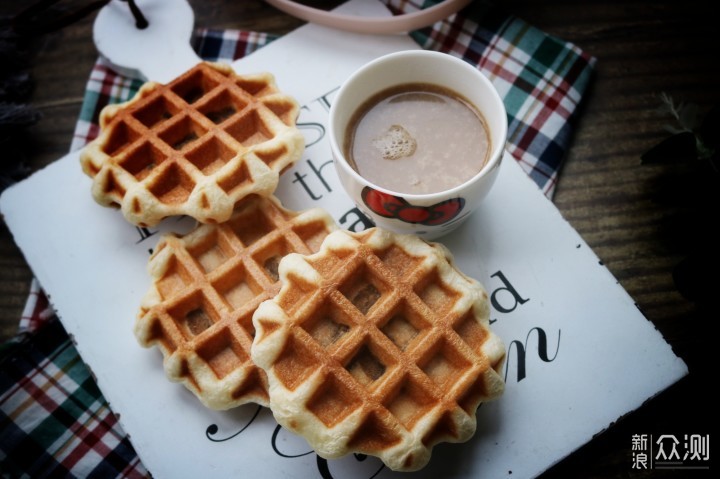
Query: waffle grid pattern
207, 285
195, 146
378, 345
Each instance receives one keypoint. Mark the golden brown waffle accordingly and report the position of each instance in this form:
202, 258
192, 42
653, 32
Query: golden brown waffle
378, 345
207, 285
195, 146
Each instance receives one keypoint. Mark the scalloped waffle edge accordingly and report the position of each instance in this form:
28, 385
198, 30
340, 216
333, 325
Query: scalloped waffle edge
205, 288
378, 345
195, 146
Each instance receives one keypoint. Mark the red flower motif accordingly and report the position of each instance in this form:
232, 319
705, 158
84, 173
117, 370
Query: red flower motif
389, 206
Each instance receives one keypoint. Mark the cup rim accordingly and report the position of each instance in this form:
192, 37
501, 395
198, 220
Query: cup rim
496, 154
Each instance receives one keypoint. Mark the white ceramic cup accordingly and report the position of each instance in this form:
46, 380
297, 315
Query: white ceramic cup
426, 215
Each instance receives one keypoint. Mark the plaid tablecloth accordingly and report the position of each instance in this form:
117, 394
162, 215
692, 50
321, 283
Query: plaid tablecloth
54, 421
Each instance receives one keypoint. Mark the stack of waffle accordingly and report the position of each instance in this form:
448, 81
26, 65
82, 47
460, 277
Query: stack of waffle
367, 342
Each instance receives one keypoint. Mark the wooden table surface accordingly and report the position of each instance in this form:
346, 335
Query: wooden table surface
644, 49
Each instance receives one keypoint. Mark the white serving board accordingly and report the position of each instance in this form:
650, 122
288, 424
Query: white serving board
590, 356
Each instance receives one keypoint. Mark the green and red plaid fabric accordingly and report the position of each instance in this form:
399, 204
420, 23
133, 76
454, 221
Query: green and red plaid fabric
54, 421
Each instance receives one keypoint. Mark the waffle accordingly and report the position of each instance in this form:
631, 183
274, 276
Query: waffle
206, 286
377, 345
195, 146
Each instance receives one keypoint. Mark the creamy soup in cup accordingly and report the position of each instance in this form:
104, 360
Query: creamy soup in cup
417, 138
